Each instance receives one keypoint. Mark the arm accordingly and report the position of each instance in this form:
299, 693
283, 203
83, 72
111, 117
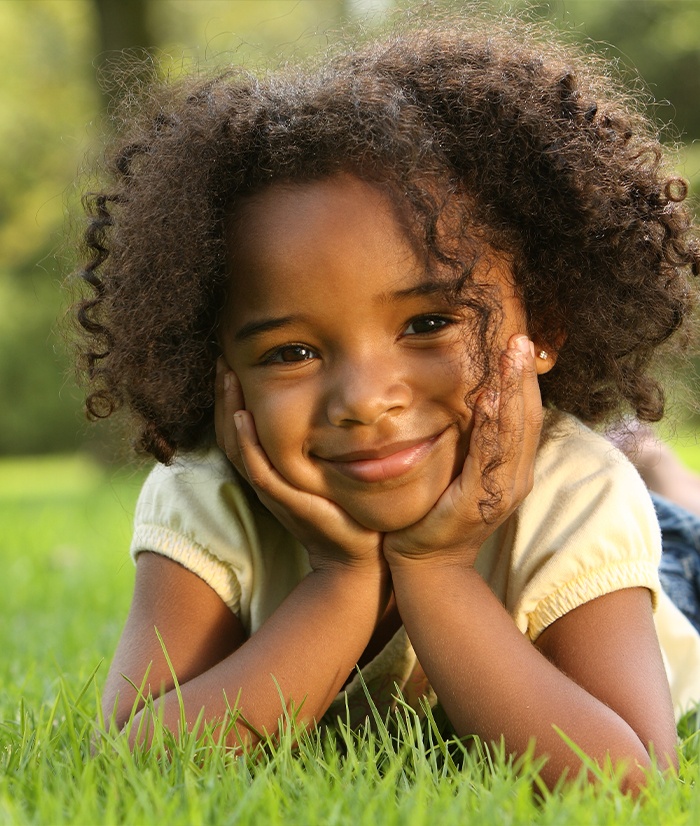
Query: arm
305, 651
198, 630
597, 675
309, 646
658, 465
604, 685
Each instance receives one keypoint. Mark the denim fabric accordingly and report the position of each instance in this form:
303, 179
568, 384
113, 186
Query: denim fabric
679, 570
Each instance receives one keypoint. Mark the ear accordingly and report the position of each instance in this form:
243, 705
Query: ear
546, 354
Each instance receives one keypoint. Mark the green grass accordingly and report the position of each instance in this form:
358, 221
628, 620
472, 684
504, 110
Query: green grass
64, 532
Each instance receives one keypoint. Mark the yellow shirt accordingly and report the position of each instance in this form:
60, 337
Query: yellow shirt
587, 528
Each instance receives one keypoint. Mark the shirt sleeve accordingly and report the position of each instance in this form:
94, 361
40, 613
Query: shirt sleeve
587, 528
182, 513
196, 513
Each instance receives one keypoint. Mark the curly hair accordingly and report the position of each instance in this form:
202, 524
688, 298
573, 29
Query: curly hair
561, 170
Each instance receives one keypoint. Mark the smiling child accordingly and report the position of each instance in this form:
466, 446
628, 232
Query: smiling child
358, 313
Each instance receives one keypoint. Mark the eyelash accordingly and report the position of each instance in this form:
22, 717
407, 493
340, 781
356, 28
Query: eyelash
276, 355
444, 321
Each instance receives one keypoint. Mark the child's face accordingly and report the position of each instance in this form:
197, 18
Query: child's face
355, 375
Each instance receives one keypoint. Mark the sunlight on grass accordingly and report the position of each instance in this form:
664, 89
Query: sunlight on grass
65, 527
66, 523
59, 767
38, 476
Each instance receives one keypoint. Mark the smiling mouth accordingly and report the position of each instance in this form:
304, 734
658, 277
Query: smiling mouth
385, 463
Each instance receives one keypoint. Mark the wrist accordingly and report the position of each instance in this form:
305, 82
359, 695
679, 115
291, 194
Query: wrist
459, 558
368, 586
364, 569
434, 579
366, 561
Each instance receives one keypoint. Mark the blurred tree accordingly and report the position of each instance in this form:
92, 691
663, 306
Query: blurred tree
123, 28
46, 97
659, 39
655, 40
51, 52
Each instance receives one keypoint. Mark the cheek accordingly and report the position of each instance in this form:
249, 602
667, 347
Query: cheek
448, 380
453, 383
281, 420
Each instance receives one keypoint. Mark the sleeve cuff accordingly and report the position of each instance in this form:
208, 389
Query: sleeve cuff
585, 588
190, 555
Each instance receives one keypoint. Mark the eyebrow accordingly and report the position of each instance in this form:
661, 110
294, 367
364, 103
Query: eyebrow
417, 290
264, 325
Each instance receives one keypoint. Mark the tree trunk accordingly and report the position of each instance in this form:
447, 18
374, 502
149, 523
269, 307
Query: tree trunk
126, 46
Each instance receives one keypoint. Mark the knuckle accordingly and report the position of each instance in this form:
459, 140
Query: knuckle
256, 479
262, 480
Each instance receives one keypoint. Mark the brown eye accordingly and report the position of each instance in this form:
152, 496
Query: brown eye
426, 324
290, 353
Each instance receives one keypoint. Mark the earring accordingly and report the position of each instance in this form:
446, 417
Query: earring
543, 354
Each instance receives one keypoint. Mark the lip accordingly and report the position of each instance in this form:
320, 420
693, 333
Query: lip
383, 463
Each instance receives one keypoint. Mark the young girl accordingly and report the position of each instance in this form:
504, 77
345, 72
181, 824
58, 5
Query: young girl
336, 301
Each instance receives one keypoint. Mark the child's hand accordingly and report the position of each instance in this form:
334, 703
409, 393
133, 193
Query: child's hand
326, 531
497, 473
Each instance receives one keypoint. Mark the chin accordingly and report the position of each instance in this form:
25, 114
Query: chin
391, 519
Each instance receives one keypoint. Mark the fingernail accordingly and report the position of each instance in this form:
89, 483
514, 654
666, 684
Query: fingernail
228, 381
238, 420
524, 345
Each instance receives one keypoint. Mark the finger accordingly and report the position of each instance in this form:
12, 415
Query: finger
273, 490
520, 415
467, 488
251, 459
234, 391
530, 413
533, 413
485, 447
228, 400
503, 445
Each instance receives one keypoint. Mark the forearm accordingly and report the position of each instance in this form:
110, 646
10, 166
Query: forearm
494, 683
299, 659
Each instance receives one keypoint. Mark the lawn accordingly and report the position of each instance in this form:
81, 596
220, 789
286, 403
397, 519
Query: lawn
64, 533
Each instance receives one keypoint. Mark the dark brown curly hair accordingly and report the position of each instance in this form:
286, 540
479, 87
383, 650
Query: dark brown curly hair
561, 173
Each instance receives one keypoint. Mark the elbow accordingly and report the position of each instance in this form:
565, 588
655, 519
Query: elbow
118, 710
628, 765
659, 758
636, 770
635, 776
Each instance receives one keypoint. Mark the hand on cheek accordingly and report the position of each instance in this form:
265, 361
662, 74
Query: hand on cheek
328, 533
497, 473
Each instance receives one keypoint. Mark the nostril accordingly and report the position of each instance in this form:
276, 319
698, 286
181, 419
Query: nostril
364, 404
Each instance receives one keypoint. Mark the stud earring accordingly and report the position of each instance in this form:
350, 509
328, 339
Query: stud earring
543, 354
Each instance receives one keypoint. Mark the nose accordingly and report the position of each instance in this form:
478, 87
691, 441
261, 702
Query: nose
364, 392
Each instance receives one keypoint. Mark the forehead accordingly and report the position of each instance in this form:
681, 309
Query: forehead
311, 216
341, 237
290, 239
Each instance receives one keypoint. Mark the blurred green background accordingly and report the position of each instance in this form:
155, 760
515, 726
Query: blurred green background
52, 53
